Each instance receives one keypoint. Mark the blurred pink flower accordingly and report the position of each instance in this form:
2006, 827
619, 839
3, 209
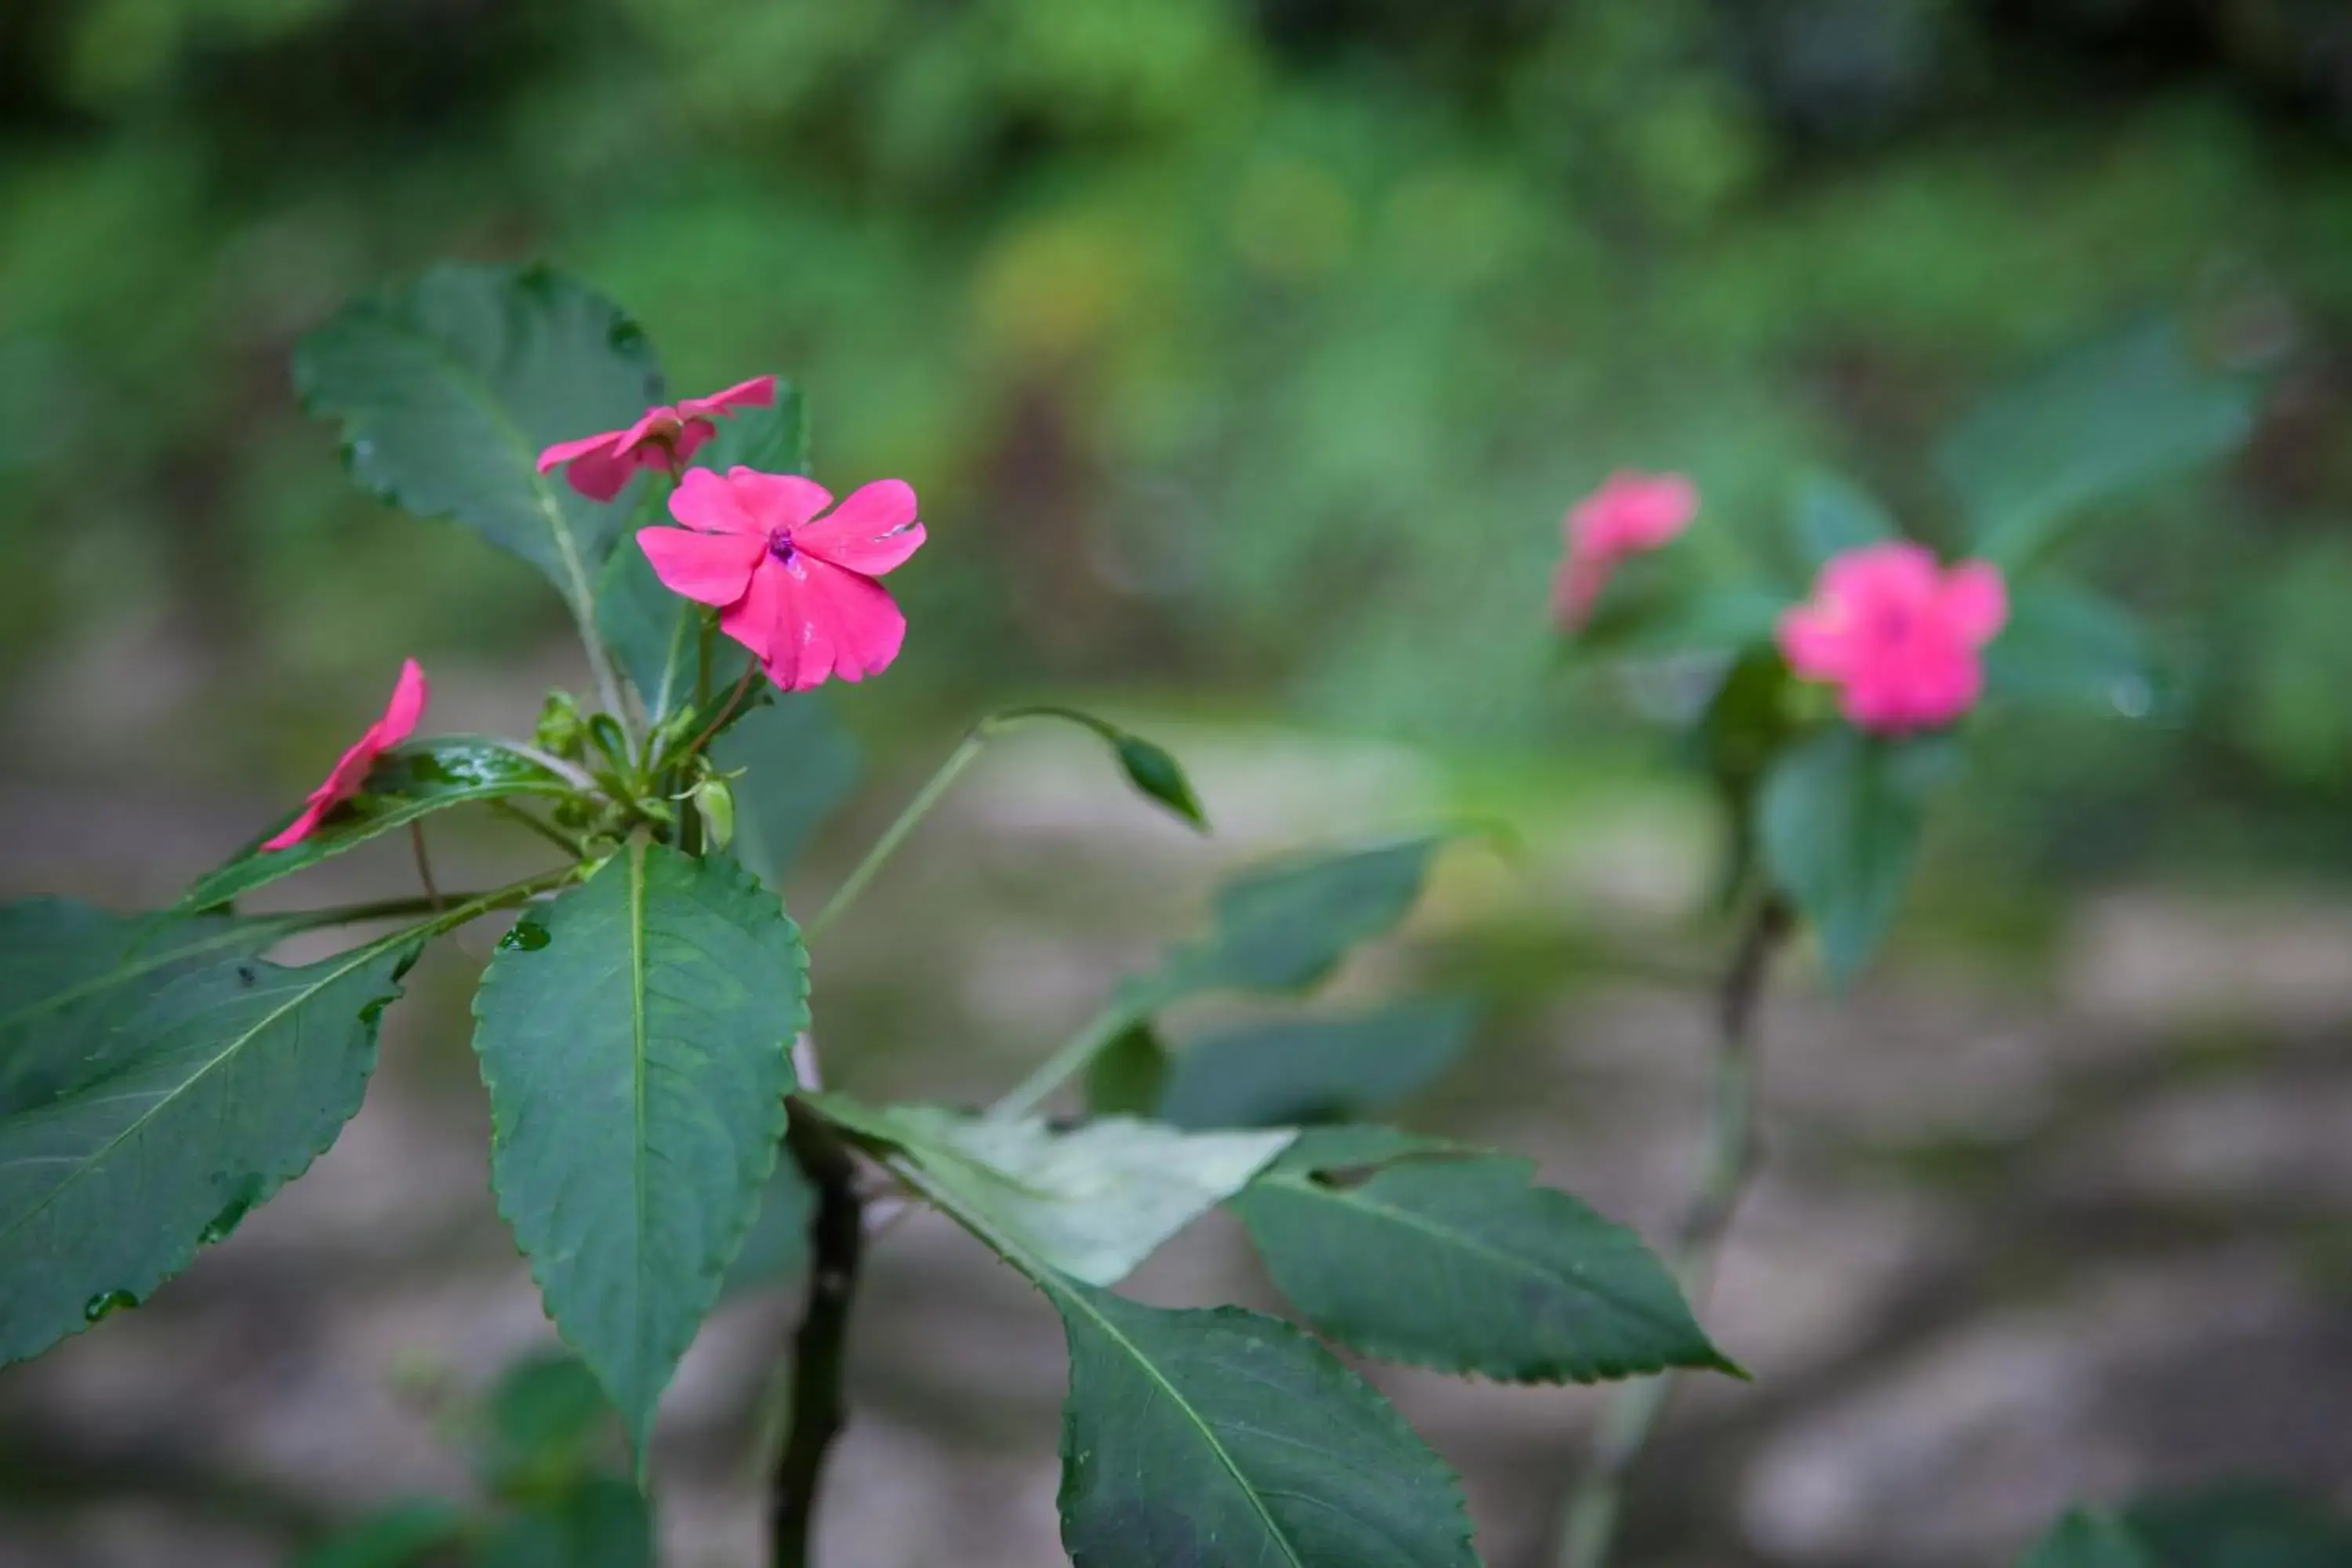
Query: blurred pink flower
796, 587
1900, 638
1629, 514
663, 438
343, 780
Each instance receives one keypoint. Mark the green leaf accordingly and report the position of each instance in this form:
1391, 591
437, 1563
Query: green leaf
801, 766
542, 1424
1220, 1436
2065, 648
1287, 926
231, 1081
72, 975
1300, 1070
1833, 515
2084, 1538
2109, 419
655, 635
1129, 1075
448, 391
777, 1247
1838, 822
1091, 1202
408, 784
1152, 769
395, 1537
602, 1524
636, 1036
1465, 1265
2242, 1525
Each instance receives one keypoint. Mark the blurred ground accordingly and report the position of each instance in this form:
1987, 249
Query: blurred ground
2028, 1233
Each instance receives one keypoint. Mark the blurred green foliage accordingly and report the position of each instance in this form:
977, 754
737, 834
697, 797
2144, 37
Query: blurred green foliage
1256, 346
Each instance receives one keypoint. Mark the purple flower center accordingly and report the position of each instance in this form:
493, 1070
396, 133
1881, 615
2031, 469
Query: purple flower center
780, 546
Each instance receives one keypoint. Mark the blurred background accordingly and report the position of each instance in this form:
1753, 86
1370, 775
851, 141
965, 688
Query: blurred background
1245, 354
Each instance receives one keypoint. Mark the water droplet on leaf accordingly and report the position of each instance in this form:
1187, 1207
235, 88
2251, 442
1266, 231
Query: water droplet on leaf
99, 1307
526, 934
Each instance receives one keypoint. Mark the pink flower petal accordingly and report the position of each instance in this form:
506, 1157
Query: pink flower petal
708, 568
711, 503
856, 616
601, 473
1576, 587
1976, 601
690, 436
298, 829
760, 392
757, 619
564, 452
343, 780
1632, 512
871, 531
778, 500
409, 694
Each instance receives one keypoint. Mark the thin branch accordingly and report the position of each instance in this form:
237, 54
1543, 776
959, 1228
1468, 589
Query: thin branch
1589, 1523
424, 866
836, 1243
545, 829
1070, 1058
727, 714
892, 837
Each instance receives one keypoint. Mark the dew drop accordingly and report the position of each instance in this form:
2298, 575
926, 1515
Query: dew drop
100, 1306
526, 934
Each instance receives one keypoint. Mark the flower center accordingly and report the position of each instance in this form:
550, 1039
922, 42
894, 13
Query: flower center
780, 546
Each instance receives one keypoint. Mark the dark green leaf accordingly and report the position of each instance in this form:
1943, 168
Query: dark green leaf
636, 1037
72, 975
1091, 1202
2087, 1540
801, 764
1227, 1437
406, 785
2108, 420
1287, 926
541, 1425
1219, 1437
398, 1537
2063, 647
229, 1082
1832, 515
1299, 1070
448, 391
602, 1524
2242, 1525
1465, 1265
777, 1247
1839, 822
1129, 1076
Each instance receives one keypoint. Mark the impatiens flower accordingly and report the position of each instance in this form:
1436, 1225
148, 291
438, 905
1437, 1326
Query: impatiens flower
1901, 639
664, 438
793, 581
343, 780
1629, 514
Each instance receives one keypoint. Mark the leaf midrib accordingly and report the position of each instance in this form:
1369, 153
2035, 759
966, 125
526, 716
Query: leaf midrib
1049, 1281
638, 1163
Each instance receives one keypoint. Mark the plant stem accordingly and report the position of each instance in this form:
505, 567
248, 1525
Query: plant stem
1069, 1059
1589, 1524
394, 909
547, 830
727, 712
892, 837
424, 866
836, 1240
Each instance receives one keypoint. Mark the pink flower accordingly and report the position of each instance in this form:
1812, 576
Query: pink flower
664, 438
1901, 639
794, 588
343, 780
1629, 514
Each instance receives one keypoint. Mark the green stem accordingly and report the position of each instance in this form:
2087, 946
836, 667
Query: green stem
1589, 1523
896, 834
1071, 1058
425, 864
727, 714
547, 830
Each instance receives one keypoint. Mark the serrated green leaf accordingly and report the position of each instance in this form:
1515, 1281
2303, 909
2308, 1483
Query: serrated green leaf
1295, 1071
1220, 1436
1464, 1265
1832, 515
408, 784
777, 1247
1285, 927
636, 1037
799, 764
448, 391
2241, 1525
2105, 421
72, 975
395, 1537
600, 1523
1838, 822
1090, 1202
2085, 1539
1129, 1076
2067, 647
227, 1085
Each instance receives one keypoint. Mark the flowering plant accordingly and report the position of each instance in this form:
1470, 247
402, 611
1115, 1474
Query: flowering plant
661, 1128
